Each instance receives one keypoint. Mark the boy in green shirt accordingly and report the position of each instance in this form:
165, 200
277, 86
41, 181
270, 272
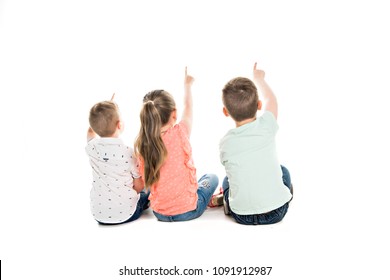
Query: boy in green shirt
257, 189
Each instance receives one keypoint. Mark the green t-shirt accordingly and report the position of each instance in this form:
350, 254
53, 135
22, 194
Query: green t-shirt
249, 155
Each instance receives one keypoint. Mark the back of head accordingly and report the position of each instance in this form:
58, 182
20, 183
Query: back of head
103, 118
155, 113
240, 98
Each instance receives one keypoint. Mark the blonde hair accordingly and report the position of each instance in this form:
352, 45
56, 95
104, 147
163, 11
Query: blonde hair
155, 113
103, 118
240, 98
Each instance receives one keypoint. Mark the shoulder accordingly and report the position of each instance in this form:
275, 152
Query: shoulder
182, 127
122, 148
179, 130
229, 137
268, 120
109, 145
267, 115
90, 148
177, 137
92, 141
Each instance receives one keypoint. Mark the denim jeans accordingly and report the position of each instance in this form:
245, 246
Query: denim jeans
143, 204
206, 187
271, 217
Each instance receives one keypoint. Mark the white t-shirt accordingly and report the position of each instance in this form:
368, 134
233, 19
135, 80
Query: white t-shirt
249, 155
113, 199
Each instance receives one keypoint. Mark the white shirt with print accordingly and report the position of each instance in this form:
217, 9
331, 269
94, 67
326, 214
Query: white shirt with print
113, 199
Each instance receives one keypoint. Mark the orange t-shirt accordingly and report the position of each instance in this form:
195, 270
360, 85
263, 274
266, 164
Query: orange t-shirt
176, 191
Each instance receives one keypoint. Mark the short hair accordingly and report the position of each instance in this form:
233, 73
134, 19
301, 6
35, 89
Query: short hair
240, 98
103, 118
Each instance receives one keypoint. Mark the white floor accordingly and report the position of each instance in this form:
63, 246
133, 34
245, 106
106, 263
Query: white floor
328, 64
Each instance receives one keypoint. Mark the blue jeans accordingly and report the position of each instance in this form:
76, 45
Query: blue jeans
206, 188
271, 217
143, 204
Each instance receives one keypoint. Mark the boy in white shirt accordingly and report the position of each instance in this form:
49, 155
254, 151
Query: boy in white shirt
117, 194
257, 189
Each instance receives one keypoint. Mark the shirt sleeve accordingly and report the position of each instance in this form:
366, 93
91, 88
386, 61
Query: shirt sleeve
270, 122
183, 127
222, 150
90, 148
135, 166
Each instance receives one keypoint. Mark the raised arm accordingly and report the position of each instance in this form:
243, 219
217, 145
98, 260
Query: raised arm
90, 134
187, 111
267, 96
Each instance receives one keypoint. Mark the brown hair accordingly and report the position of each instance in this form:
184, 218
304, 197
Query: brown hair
103, 118
240, 98
155, 113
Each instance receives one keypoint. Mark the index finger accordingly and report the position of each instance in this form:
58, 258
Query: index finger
255, 66
113, 95
186, 71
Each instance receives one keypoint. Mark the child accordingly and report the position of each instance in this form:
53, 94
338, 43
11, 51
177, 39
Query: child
257, 189
116, 194
166, 158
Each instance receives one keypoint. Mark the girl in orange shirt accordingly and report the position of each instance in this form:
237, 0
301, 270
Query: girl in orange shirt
166, 163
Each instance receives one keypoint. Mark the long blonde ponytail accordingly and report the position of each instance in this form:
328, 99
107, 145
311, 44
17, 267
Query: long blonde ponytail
155, 113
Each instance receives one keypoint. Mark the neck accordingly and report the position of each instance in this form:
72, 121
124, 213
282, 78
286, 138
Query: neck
115, 134
238, 124
166, 127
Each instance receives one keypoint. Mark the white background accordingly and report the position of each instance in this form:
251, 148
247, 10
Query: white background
328, 64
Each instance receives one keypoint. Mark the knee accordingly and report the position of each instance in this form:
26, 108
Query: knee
215, 178
212, 178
